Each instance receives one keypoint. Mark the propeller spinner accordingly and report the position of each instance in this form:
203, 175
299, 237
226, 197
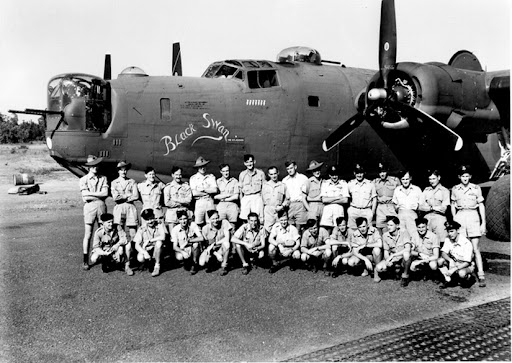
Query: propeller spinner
389, 92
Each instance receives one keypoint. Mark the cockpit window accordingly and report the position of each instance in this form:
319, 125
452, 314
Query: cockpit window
84, 99
211, 70
226, 72
262, 79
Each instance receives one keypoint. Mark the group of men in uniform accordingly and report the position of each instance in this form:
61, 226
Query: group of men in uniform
316, 223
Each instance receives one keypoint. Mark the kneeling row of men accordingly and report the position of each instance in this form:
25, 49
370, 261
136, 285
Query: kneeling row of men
363, 248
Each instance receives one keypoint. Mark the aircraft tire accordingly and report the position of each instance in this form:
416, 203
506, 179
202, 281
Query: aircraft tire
497, 210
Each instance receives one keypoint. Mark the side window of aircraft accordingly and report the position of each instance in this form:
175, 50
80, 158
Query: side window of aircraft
165, 109
262, 79
212, 69
226, 72
313, 101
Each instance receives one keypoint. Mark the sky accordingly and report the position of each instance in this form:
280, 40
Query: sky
40, 39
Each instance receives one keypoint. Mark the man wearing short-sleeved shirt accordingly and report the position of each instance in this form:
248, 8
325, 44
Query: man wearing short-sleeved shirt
251, 182
334, 192
217, 234
149, 240
426, 247
313, 246
151, 192
366, 245
363, 198
407, 199
397, 245
313, 188
229, 193
203, 186
435, 202
385, 186
284, 241
275, 197
94, 190
469, 211
177, 196
456, 254
186, 238
124, 192
249, 240
296, 184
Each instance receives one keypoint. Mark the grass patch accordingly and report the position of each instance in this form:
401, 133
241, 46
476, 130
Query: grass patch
32, 159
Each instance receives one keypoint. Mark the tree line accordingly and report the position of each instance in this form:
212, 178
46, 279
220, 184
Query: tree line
12, 131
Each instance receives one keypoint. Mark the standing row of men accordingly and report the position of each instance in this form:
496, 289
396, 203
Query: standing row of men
303, 199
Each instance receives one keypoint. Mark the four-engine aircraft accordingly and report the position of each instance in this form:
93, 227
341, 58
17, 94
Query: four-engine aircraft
411, 115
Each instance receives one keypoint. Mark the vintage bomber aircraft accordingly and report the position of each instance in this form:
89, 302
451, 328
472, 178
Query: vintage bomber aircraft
418, 116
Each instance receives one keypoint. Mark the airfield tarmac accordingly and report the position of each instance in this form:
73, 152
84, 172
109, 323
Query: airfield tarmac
53, 311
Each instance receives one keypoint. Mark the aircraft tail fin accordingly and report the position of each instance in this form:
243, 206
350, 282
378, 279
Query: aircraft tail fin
464, 59
176, 60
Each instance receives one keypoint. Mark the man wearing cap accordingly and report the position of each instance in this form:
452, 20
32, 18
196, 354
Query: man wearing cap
313, 187
249, 241
124, 192
217, 234
149, 240
94, 190
436, 200
407, 199
469, 211
284, 241
363, 198
296, 184
110, 245
456, 255
186, 240
275, 197
398, 246
151, 192
251, 182
229, 193
385, 186
334, 193
203, 187
177, 196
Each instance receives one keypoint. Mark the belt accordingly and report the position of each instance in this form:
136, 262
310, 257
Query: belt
353, 206
296, 201
204, 197
388, 202
436, 212
467, 208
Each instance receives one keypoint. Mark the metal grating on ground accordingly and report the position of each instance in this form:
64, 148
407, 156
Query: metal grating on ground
478, 333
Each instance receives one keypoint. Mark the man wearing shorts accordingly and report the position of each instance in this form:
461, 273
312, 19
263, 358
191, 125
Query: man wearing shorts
217, 234
110, 245
284, 242
275, 198
456, 255
426, 249
124, 192
296, 184
149, 240
229, 193
385, 186
397, 245
334, 194
363, 198
151, 193
436, 200
469, 211
177, 197
249, 241
94, 190
340, 245
203, 186
366, 246
313, 247
186, 240
407, 199
251, 182
312, 191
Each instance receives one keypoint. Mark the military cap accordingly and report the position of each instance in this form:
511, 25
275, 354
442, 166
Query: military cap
201, 162
147, 214
314, 165
333, 170
106, 217
124, 164
383, 166
358, 168
93, 160
463, 169
449, 225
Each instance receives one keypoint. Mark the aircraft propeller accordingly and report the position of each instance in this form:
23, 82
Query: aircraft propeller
383, 98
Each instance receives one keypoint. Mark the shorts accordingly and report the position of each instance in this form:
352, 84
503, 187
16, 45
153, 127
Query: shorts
251, 203
354, 213
469, 220
408, 221
436, 225
126, 214
315, 210
172, 217
383, 211
228, 211
297, 213
330, 213
188, 250
202, 206
93, 211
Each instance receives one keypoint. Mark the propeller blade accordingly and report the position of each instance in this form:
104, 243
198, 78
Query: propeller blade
387, 39
342, 132
455, 138
176, 60
107, 72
